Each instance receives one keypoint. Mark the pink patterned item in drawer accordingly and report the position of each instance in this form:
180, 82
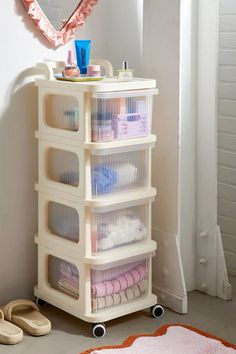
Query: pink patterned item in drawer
121, 282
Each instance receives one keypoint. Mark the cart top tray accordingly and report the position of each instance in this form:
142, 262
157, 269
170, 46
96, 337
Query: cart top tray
79, 79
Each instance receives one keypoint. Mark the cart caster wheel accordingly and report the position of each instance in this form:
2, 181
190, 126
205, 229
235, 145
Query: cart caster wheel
40, 302
99, 330
157, 311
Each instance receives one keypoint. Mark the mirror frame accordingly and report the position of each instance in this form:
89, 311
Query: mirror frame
76, 20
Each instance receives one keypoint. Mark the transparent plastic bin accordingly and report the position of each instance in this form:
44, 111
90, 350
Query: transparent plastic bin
119, 285
118, 172
112, 228
63, 276
121, 115
61, 112
63, 221
94, 173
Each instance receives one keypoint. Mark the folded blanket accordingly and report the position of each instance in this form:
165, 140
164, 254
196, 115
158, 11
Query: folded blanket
112, 273
131, 293
120, 283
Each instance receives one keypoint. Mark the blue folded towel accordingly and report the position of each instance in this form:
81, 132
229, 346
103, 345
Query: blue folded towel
104, 177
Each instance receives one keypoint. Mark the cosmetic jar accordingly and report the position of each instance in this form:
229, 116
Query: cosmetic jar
93, 70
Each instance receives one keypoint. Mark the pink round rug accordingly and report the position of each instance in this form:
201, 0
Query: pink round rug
170, 339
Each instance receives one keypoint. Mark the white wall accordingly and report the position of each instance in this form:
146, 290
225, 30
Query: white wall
22, 48
161, 61
227, 131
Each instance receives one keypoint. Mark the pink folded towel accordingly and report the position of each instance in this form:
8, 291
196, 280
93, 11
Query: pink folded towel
122, 282
131, 293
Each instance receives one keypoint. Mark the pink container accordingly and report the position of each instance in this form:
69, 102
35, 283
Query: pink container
93, 70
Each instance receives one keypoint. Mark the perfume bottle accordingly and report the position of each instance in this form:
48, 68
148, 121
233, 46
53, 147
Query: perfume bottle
125, 74
70, 70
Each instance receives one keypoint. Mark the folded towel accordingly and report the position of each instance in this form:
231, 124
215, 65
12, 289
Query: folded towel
112, 273
104, 177
116, 174
69, 279
124, 296
120, 283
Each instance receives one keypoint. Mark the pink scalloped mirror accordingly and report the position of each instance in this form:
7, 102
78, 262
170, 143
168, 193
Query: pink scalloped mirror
59, 19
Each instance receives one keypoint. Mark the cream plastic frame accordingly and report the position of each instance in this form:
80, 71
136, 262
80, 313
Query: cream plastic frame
81, 308
76, 20
84, 132
83, 247
84, 104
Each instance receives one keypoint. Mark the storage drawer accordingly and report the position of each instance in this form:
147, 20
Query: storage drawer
119, 285
121, 115
97, 117
118, 172
110, 171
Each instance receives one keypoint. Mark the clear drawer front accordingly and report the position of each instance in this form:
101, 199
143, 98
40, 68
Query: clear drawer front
121, 115
118, 172
119, 285
117, 228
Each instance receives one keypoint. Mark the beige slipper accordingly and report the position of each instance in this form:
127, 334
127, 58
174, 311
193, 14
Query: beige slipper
9, 333
26, 315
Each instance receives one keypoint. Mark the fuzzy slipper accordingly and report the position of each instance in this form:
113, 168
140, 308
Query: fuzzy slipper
9, 333
26, 315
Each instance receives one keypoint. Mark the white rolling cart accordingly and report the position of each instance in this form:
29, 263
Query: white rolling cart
94, 188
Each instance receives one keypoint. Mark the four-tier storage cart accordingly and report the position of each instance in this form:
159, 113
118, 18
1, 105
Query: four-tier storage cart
94, 198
